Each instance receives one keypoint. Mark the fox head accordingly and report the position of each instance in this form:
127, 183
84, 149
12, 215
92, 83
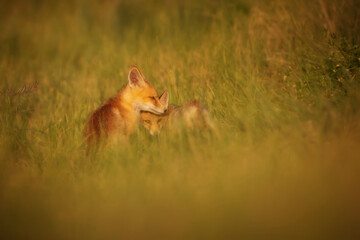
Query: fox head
143, 94
152, 122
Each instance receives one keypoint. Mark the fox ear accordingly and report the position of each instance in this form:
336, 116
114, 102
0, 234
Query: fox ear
164, 99
135, 77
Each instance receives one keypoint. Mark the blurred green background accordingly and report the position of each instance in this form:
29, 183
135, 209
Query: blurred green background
280, 79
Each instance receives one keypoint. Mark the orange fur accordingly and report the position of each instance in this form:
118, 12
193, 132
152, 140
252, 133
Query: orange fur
192, 114
119, 116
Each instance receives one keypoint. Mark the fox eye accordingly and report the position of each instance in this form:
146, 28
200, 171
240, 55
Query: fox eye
147, 121
153, 98
159, 120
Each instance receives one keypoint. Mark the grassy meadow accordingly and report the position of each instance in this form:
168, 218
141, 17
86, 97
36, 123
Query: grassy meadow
280, 79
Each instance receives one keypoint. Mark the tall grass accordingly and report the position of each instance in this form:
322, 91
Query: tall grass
281, 81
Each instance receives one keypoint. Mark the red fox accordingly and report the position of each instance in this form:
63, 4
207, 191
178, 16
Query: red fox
119, 116
192, 114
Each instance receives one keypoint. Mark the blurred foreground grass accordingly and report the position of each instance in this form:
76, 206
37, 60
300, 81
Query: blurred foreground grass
281, 80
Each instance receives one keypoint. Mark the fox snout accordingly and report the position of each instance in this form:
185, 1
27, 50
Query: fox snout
154, 108
154, 132
155, 104
152, 126
160, 106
